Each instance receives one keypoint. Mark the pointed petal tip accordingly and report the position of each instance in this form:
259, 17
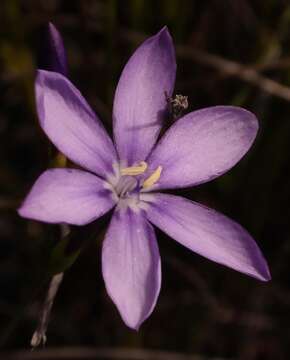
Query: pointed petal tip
55, 55
40, 75
165, 35
262, 271
51, 26
164, 30
133, 325
266, 279
42, 72
266, 275
52, 29
20, 211
252, 117
23, 211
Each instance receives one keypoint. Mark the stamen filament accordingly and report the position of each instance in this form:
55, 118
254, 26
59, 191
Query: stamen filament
153, 178
135, 170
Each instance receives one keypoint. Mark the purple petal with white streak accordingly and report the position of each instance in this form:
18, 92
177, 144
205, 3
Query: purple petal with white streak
131, 266
203, 145
67, 195
209, 234
140, 101
71, 125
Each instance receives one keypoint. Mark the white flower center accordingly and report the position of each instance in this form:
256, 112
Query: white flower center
140, 169
127, 184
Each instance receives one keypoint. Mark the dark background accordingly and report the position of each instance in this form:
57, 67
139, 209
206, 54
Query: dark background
203, 308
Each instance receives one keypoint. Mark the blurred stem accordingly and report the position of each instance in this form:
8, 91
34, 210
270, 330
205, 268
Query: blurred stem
39, 336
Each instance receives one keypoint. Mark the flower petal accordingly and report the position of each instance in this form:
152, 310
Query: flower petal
140, 99
203, 145
71, 125
208, 233
131, 266
55, 54
67, 195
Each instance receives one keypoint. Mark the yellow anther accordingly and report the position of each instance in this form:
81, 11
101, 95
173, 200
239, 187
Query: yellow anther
135, 170
153, 178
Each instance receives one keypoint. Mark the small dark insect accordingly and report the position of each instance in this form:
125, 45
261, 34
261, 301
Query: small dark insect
176, 105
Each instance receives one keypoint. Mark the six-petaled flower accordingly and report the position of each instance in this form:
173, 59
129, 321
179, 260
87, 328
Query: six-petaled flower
130, 173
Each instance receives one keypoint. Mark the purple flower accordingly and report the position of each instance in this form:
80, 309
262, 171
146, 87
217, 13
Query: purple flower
129, 173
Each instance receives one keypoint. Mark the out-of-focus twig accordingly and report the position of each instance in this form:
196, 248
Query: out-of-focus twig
104, 354
196, 280
220, 312
279, 64
39, 336
231, 68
